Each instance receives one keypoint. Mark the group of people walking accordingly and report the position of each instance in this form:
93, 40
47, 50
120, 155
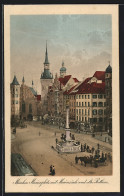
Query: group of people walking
52, 170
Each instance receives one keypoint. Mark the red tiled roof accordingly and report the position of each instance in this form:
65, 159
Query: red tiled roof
75, 79
100, 75
65, 79
93, 88
67, 92
84, 82
38, 97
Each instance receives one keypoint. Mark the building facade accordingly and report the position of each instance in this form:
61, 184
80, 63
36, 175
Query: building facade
88, 101
30, 102
58, 94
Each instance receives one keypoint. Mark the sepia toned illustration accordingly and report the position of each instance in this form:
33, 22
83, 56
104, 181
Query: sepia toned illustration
61, 95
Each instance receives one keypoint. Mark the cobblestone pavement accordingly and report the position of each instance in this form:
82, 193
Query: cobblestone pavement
36, 150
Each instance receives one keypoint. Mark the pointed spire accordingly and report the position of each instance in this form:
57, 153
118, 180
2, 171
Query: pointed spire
15, 81
46, 56
23, 80
62, 63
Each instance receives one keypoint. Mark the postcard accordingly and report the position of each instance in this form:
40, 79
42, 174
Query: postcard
62, 123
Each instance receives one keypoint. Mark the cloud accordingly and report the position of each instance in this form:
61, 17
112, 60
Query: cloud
95, 38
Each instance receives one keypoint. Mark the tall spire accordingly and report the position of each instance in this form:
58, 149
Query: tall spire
46, 56
23, 80
62, 63
32, 83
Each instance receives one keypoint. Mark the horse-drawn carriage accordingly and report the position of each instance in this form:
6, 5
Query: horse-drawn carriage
93, 161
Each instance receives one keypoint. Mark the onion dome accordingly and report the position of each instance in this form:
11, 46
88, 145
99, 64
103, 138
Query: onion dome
108, 69
62, 68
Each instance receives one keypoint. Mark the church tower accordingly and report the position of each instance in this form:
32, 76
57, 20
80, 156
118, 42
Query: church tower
46, 78
62, 70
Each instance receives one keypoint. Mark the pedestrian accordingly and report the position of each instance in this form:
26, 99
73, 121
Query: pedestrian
53, 171
98, 145
81, 148
105, 156
102, 155
76, 160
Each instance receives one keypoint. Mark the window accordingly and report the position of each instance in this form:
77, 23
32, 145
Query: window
94, 104
30, 108
82, 111
100, 119
82, 103
82, 96
13, 102
100, 112
104, 112
94, 112
79, 103
100, 96
88, 112
85, 96
77, 118
94, 96
16, 102
85, 111
88, 103
82, 118
79, 96
85, 119
104, 104
94, 120
88, 96
85, 103
77, 111
16, 90
23, 107
100, 104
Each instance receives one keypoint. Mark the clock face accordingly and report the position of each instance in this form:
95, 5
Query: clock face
46, 66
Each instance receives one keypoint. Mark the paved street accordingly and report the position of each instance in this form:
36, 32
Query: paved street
36, 150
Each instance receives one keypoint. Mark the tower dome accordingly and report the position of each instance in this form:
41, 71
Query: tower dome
108, 69
62, 70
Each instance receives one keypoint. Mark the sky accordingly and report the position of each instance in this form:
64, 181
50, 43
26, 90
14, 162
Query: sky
83, 42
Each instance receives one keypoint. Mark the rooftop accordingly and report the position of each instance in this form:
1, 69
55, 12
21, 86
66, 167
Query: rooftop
100, 75
15, 81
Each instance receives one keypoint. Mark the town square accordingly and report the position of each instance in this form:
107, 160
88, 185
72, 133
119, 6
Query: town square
61, 116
